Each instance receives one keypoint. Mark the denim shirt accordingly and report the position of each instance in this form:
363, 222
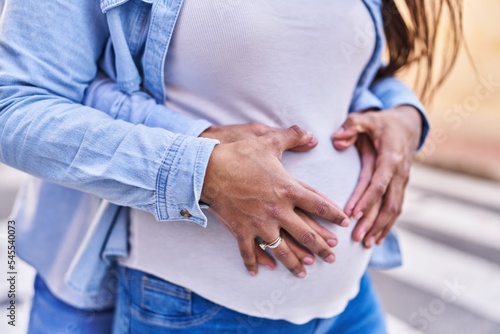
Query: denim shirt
86, 139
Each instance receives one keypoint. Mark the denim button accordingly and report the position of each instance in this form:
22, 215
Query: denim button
186, 213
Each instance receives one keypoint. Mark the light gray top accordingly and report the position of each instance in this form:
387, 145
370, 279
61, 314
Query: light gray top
279, 62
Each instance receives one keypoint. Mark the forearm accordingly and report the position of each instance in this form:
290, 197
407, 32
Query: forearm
394, 93
45, 131
82, 148
139, 108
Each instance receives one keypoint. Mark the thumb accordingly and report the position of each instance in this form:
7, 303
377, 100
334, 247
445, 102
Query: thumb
342, 144
309, 146
287, 139
355, 124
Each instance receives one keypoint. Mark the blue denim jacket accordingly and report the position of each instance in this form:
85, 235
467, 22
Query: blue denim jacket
124, 146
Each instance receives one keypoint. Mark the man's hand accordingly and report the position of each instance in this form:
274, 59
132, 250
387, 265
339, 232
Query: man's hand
232, 133
250, 192
378, 197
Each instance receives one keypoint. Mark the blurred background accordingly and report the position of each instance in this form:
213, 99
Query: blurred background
450, 227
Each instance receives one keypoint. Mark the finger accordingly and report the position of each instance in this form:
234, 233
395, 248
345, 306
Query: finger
383, 220
317, 205
333, 212
308, 187
345, 133
330, 238
343, 144
285, 255
357, 123
365, 224
309, 146
391, 209
367, 152
287, 139
373, 240
308, 238
263, 258
384, 171
247, 252
345, 138
304, 255
381, 237
260, 129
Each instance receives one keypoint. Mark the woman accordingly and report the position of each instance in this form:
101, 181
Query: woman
180, 277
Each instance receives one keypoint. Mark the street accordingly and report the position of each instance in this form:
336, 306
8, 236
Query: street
450, 237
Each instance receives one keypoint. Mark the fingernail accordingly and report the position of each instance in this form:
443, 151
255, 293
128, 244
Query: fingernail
313, 141
361, 234
301, 274
309, 133
330, 258
345, 222
332, 242
339, 131
359, 215
308, 260
270, 267
381, 241
348, 211
342, 142
369, 243
252, 273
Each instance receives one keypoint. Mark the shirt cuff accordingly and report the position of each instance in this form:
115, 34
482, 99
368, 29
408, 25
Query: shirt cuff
180, 180
197, 127
388, 254
365, 100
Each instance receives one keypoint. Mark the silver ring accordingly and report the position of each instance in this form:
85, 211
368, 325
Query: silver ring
271, 245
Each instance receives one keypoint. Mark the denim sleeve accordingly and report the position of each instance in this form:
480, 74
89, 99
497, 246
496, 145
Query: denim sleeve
365, 100
393, 92
48, 56
139, 108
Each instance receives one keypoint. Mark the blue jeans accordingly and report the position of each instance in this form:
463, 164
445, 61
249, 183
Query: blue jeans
156, 306
50, 315
169, 308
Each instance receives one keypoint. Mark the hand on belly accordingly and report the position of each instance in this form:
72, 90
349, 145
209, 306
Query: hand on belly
250, 192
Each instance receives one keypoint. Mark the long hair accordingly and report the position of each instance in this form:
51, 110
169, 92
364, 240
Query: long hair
411, 29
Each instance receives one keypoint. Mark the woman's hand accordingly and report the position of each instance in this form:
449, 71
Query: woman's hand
368, 157
387, 150
250, 192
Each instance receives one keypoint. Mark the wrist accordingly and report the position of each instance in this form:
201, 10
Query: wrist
412, 120
209, 132
208, 190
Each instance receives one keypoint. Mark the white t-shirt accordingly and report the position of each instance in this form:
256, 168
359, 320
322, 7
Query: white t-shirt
278, 62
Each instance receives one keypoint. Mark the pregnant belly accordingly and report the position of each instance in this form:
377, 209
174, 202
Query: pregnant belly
327, 170
207, 260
